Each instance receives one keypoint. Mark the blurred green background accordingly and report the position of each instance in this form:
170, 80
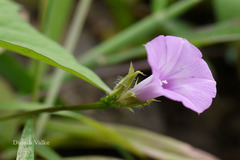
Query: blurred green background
122, 27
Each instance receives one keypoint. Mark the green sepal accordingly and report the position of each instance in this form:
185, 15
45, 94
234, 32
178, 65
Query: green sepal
122, 94
129, 99
126, 82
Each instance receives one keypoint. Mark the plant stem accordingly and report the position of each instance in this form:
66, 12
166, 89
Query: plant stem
70, 44
87, 106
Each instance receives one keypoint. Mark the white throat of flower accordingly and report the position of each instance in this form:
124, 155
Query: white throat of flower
162, 82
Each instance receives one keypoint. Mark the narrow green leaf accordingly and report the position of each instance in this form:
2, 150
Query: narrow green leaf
215, 33
153, 145
26, 144
212, 34
47, 153
138, 30
226, 10
159, 146
18, 36
58, 15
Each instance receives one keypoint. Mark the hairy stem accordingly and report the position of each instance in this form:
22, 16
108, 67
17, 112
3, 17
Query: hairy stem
87, 106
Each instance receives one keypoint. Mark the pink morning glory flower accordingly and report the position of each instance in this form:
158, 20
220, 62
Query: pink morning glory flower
178, 73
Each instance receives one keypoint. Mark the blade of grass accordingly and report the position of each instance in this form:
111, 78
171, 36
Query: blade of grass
26, 144
141, 29
57, 15
211, 34
70, 44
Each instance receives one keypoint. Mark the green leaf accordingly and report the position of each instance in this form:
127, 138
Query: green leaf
159, 146
18, 36
47, 153
153, 145
26, 144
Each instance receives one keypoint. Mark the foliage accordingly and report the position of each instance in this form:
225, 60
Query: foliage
20, 82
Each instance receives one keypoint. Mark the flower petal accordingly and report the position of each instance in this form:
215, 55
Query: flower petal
199, 69
181, 54
194, 93
179, 73
157, 50
148, 89
168, 53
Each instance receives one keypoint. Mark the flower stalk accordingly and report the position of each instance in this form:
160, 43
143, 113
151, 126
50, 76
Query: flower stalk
121, 96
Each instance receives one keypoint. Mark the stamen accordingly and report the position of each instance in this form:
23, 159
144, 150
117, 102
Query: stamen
164, 82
